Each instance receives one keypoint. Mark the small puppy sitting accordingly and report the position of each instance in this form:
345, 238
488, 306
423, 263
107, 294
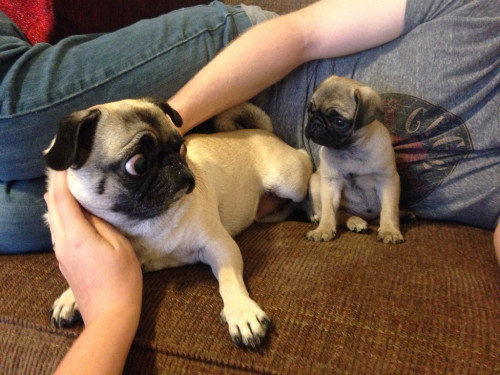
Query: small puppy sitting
179, 200
357, 162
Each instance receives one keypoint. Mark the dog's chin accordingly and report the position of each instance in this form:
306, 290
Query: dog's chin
332, 143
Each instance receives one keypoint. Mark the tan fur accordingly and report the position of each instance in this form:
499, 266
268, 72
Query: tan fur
367, 164
232, 170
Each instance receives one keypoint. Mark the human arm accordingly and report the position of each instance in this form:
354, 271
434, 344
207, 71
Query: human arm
103, 271
272, 49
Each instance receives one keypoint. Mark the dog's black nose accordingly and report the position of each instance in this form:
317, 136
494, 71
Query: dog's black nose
315, 123
168, 159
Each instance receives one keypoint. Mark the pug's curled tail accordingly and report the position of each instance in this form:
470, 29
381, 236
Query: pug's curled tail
243, 116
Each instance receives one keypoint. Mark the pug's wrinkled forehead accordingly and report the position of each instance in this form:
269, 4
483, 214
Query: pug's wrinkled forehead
123, 124
112, 126
336, 94
129, 116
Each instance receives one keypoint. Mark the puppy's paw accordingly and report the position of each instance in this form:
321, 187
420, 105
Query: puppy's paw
64, 312
318, 235
247, 323
390, 236
357, 224
314, 219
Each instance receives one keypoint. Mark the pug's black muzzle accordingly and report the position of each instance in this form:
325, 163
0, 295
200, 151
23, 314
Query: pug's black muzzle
330, 132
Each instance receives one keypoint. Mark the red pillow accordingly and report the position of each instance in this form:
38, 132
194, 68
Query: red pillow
35, 18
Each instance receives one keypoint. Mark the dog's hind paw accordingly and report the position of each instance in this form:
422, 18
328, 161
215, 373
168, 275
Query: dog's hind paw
320, 235
247, 323
390, 236
64, 312
357, 224
314, 219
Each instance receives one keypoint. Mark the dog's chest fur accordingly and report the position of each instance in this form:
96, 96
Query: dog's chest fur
358, 169
179, 235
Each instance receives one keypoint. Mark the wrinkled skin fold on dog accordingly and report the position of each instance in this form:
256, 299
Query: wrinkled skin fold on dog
357, 178
179, 200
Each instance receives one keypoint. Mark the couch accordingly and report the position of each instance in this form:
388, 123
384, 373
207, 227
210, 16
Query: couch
352, 306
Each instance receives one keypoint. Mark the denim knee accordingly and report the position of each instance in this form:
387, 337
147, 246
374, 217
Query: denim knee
22, 228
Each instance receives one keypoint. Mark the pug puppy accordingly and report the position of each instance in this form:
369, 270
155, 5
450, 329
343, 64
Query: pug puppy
179, 200
357, 178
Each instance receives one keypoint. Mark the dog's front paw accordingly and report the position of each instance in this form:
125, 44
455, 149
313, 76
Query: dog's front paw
357, 224
247, 323
390, 236
64, 312
318, 235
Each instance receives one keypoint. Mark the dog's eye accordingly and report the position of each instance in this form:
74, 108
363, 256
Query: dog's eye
137, 165
341, 123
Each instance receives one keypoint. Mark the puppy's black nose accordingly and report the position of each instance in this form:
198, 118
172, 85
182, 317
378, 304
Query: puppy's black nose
313, 126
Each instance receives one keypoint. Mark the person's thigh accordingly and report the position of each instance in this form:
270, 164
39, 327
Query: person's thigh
21, 217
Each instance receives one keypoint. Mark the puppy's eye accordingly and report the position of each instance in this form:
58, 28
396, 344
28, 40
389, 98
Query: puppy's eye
341, 123
137, 165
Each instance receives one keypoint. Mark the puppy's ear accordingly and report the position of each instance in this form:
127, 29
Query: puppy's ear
167, 109
73, 141
368, 106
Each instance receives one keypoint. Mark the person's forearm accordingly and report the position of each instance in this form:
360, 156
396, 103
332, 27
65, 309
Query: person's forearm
269, 51
103, 346
258, 59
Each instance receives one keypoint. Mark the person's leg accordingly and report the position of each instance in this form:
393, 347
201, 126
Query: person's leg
43, 83
21, 217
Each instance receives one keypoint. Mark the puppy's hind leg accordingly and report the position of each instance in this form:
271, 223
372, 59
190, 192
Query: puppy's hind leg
246, 321
352, 222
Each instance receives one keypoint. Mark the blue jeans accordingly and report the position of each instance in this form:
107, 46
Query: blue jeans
41, 84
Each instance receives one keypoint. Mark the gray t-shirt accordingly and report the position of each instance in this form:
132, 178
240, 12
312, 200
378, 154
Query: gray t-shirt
440, 82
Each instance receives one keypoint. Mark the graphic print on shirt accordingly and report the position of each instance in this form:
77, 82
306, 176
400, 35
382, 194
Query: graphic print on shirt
429, 142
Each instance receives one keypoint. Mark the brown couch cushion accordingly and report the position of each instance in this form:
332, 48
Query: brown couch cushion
353, 305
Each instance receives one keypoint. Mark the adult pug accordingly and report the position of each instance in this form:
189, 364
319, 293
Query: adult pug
357, 162
179, 200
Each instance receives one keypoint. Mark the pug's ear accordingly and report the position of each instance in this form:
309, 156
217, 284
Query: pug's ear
167, 109
368, 106
73, 141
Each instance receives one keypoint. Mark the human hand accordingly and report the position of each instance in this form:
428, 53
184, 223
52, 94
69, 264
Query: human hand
97, 261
